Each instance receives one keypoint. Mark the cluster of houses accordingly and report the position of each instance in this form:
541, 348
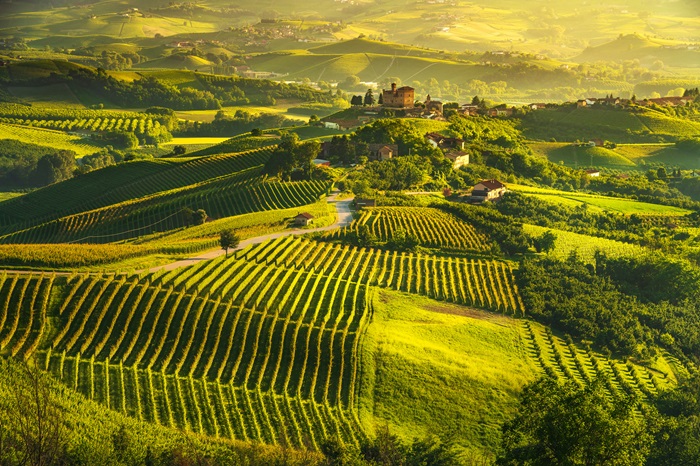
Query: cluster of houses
483, 191
618, 102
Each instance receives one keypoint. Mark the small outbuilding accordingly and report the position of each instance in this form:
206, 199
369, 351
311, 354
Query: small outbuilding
304, 219
362, 202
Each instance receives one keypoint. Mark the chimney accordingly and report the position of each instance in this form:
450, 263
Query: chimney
393, 87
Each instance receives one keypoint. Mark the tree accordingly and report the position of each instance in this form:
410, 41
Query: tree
564, 424
228, 239
256, 132
179, 150
369, 98
55, 167
356, 100
199, 217
365, 237
546, 242
32, 429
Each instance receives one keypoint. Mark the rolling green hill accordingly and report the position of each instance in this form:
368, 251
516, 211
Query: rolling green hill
575, 156
615, 125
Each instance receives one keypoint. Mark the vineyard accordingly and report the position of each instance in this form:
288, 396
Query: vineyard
240, 193
155, 200
124, 182
432, 227
48, 138
264, 345
184, 349
584, 246
568, 361
487, 284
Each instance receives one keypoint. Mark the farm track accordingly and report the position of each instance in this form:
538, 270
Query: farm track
344, 219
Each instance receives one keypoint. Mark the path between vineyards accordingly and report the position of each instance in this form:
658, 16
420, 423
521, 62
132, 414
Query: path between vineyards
344, 219
343, 209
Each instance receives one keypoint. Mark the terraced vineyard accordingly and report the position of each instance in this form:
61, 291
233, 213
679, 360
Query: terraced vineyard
281, 347
223, 187
122, 183
482, 283
432, 227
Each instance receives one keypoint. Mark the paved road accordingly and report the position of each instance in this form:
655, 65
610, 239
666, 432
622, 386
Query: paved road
344, 219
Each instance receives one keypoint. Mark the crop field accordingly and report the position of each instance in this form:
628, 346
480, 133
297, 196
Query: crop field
432, 227
193, 348
624, 206
219, 355
584, 246
231, 195
111, 256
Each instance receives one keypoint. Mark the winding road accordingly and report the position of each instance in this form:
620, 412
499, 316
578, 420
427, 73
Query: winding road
343, 209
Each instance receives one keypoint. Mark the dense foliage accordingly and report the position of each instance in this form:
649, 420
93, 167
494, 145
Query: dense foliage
565, 424
508, 234
24, 165
627, 305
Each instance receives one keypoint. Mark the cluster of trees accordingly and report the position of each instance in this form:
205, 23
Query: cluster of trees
293, 159
234, 90
109, 60
624, 305
147, 91
562, 423
24, 165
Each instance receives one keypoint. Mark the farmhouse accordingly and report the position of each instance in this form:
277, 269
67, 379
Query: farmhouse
304, 219
500, 111
438, 140
458, 158
322, 163
593, 172
398, 98
487, 190
383, 151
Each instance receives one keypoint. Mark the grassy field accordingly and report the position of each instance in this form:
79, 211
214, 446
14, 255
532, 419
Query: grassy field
615, 125
5, 196
660, 154
575, 156
611, 204
419, 381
